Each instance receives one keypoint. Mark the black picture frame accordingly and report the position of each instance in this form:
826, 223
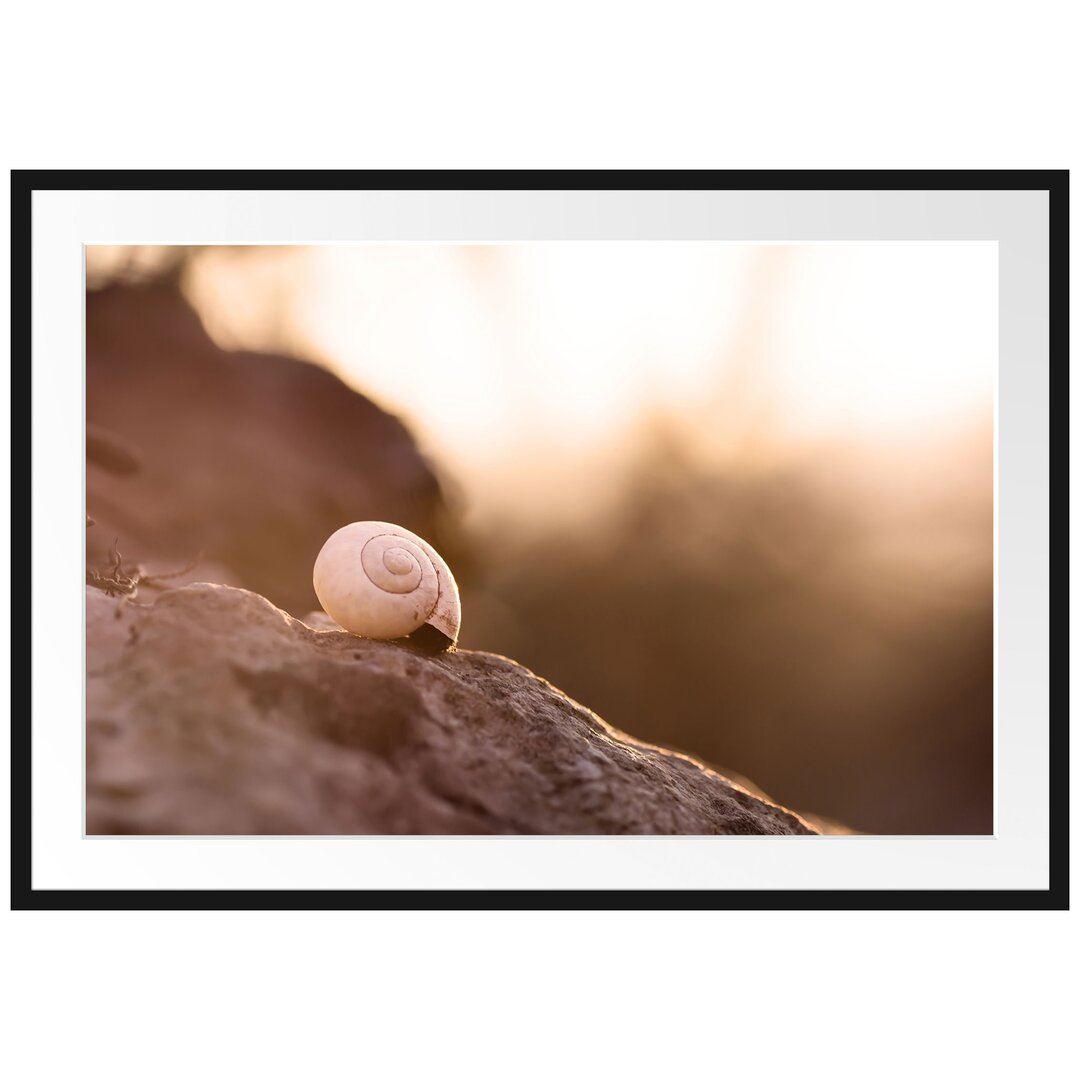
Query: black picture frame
24, 897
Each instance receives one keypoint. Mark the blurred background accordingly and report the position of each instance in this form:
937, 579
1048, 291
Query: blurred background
737, 499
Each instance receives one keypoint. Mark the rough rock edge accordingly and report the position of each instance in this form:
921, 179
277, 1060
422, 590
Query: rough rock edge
553, 766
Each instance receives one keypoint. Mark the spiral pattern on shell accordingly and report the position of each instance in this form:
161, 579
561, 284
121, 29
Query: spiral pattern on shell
382, 581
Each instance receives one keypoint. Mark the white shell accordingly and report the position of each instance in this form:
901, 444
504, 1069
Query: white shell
382, 581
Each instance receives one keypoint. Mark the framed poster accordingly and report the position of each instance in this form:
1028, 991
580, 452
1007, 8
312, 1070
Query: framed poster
554, 539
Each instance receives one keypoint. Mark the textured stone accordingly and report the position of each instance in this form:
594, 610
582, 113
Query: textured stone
212, 711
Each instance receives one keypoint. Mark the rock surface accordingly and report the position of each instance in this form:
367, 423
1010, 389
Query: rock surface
242, 462
212, 711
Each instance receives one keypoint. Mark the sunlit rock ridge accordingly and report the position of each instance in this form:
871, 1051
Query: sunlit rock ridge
211, 711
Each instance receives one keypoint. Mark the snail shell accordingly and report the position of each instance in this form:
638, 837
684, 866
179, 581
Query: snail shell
382, 581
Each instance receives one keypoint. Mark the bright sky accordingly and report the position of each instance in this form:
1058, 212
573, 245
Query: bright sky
540, 356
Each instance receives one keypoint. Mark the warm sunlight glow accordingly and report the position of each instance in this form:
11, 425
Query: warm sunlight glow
518, 358
737, 498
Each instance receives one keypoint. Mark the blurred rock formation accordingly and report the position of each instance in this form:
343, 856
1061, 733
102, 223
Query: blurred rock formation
240, 462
